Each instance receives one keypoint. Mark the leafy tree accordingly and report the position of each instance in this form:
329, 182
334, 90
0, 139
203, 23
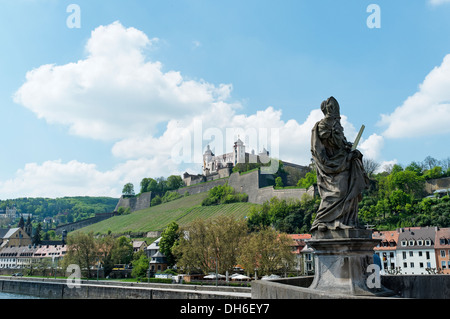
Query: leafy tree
415, 167
168, 238
122, 251
81, 250
435, 172
128, 190
140, 265
174, 182
291, 216
279, 182
21, 223
266, 250
210, 244
104, 246
309, 180
37, 237
156, 200
223, 194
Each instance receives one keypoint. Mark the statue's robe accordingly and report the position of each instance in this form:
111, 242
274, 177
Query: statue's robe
340, 176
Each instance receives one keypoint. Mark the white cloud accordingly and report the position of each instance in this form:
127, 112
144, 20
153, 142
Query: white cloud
425, 113
386, 166
57, 179
114, 92
438, 2
372, 146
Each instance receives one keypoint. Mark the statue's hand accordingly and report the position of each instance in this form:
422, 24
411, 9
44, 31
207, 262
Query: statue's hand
356, 154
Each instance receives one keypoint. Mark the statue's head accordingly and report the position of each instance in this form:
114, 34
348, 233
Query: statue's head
330, 108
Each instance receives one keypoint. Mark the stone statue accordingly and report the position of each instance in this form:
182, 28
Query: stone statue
340, 173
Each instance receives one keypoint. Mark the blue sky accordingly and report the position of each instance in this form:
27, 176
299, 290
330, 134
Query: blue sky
86, 110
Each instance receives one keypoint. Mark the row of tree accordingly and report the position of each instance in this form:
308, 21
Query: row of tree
397, 196
86, 250
159, 186
61, 210
220, 244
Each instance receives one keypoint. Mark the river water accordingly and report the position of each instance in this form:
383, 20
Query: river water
5, 295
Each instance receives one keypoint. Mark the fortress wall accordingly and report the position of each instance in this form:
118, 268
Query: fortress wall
136, 202
438, 183
202, 187
265, 194
246, 183
82, 223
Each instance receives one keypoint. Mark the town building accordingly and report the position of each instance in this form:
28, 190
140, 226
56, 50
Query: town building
442, 249
387, 250
14, 237
304, 254
51, 251
12, 213
416, 252
158, 261
16, 257
139, 245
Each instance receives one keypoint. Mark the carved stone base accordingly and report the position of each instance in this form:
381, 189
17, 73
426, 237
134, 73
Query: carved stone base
342, 258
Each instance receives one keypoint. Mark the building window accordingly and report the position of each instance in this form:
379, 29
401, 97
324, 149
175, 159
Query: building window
404, 255
443, 265
411, 254
411, 242
420, 242
421, 265
428, 254
427, 242
412, 265
442, 253
420, 254
405, 265
404, 243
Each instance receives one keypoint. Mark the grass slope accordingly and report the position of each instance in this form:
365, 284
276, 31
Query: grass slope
183, 211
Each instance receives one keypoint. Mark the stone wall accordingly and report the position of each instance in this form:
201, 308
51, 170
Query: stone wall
257, 187
58, 289
82, 223
202, 187
135, 203
406, 286
438, 183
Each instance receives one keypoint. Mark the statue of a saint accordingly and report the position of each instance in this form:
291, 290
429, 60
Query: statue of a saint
340, 173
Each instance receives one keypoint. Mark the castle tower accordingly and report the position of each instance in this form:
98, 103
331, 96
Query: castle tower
207, 161
239, 152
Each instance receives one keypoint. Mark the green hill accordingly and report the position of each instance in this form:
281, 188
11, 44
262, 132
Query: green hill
182, 211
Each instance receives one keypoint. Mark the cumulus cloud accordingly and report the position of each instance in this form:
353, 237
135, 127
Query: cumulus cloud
114, 92
438, 2
58, 179
425, 113
372, 146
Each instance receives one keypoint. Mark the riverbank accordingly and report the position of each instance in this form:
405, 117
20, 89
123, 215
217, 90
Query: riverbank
49, 288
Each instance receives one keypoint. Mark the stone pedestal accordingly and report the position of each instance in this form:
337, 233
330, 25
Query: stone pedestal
342, 260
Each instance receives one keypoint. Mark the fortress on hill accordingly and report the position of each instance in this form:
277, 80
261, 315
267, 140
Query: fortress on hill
221, 166
218, 170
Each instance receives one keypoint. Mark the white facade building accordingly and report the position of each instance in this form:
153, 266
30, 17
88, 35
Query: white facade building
415, 250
